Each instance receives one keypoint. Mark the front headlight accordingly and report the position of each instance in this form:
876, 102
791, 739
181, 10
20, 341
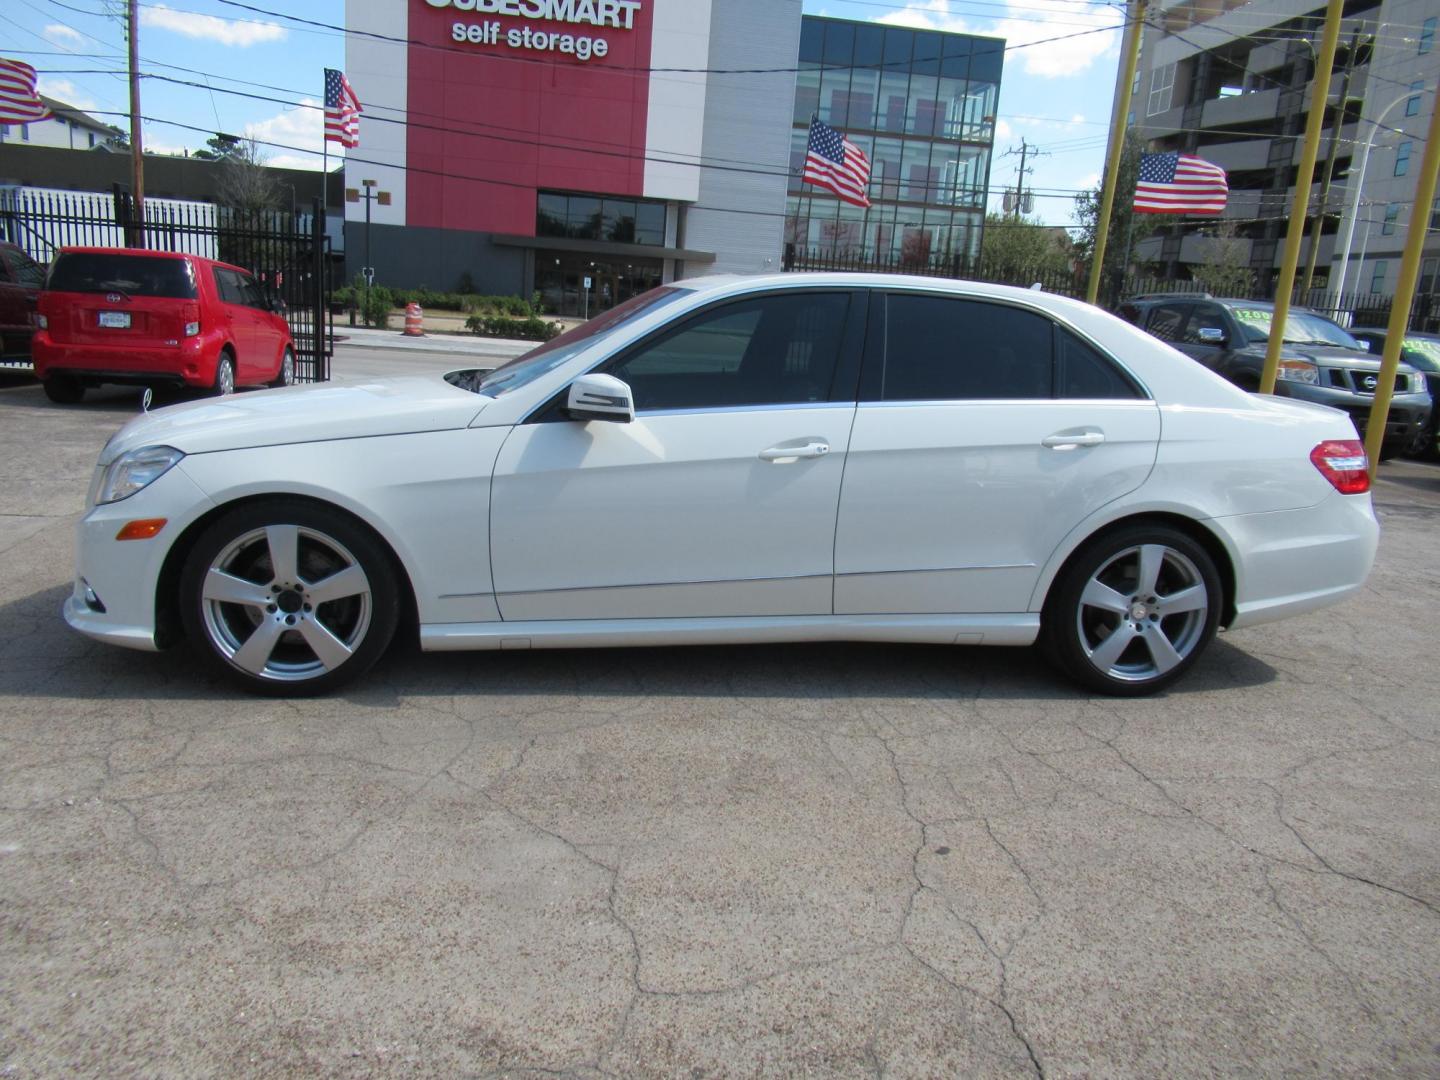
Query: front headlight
1418, 384
1298, 371
135, 471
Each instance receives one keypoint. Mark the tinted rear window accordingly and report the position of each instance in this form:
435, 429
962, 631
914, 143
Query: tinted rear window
133, 275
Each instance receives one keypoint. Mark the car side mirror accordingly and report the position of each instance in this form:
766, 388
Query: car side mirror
1210, 335
600, 397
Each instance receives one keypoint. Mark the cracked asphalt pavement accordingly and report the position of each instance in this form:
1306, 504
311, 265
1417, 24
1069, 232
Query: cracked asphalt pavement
820, 860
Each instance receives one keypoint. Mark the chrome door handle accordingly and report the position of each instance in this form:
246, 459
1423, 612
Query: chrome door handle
794, 453
1069, 440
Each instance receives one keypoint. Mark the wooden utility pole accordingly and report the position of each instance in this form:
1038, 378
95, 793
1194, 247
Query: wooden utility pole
1319, 228
1300, 204
1126, 75
137, 147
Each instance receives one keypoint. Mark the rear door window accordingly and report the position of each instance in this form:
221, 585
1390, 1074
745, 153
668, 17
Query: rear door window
1081, 371
130, 275
939, 348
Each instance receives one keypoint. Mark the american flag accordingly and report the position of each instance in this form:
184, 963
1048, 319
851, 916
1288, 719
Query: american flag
342, 110
1176, 183
19, 103
835, 163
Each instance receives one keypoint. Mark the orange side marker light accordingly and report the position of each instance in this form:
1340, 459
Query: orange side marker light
141, 529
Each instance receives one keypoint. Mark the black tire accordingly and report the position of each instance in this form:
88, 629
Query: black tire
1158, 648
286, 376
224, 375
306, 645
64, 389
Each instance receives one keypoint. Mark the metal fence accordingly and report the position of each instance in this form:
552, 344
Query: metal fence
289, 254
1348, 309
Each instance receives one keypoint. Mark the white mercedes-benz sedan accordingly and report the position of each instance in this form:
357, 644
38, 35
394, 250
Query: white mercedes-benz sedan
769, 459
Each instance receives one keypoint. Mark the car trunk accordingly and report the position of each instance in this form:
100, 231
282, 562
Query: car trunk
89, 319
113, 298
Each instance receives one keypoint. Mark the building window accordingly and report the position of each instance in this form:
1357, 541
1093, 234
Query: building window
4, 131
1435, 214
590, 217
92, 139
1162, 90
1392, 215
1428, 274
24, 132
1427, 34
1402, 158
1412, 105
1377, 279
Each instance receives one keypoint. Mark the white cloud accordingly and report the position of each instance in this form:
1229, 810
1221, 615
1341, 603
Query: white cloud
1003, 130
1084, 33
66, 91
294, 129
63, 36
237, 33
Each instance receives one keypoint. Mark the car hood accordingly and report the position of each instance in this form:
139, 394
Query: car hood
350, 410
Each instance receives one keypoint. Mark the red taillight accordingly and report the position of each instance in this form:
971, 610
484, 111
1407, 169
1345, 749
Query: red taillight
1344, 464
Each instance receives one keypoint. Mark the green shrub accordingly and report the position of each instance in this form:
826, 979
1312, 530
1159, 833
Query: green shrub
376, 305
527, 329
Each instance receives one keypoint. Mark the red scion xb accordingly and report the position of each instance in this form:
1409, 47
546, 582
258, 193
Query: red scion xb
154, 318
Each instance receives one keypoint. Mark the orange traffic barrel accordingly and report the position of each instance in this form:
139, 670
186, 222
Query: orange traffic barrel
414, 321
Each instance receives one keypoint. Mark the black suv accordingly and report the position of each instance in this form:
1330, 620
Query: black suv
1319, 361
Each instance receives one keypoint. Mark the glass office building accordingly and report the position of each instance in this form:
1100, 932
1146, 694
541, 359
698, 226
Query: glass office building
921, 104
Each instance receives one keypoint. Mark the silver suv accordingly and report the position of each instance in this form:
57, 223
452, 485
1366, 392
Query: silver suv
1319, 360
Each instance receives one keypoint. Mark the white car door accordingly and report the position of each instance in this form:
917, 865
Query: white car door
719, 499
985, 433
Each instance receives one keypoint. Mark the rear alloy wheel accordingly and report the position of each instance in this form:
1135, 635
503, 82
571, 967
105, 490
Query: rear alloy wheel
63, 389
1133, 610
286, 377
289, 598
224, 375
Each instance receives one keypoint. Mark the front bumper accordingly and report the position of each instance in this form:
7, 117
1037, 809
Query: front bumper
1407, 417
124, 574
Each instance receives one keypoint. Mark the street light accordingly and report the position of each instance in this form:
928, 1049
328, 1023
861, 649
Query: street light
1354, 213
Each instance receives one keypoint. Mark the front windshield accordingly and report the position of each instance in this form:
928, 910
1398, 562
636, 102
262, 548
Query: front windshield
552, 354
1301, 328
1425, 353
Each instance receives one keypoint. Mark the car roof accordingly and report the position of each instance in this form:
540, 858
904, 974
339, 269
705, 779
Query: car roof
146, 252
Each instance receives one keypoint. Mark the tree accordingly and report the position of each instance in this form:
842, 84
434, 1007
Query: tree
1014, 247
1223, 270
219, 147
243, 183
1123, 218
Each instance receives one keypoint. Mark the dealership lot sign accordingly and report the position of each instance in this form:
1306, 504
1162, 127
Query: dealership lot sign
617, 14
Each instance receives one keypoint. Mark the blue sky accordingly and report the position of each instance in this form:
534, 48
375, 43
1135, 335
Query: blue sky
1055, 94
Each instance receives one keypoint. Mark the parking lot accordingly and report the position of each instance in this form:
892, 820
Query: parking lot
832, 859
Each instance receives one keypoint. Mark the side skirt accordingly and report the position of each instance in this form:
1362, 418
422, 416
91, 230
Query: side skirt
1005, 629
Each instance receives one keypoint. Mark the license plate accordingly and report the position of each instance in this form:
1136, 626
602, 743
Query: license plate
118, 320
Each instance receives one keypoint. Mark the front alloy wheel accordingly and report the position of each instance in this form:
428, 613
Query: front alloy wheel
289, 598
1133, 610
